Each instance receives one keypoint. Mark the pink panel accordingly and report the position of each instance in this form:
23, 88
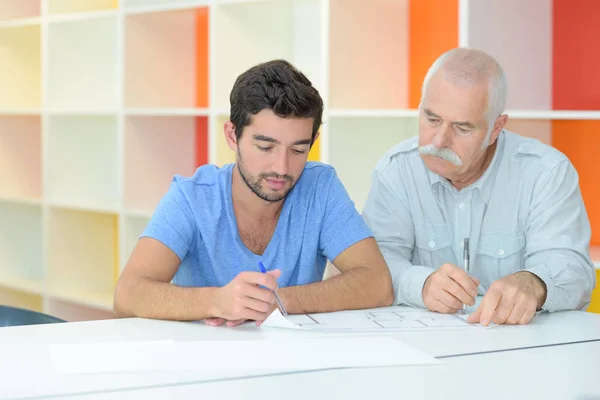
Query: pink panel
369, 54
537, 129
518, 34
160, 60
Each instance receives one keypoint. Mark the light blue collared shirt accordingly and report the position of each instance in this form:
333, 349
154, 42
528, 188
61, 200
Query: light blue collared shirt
524, 213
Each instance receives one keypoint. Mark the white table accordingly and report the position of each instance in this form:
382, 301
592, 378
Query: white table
506, 365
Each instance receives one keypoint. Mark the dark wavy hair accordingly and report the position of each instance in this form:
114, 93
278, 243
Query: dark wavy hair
276, 85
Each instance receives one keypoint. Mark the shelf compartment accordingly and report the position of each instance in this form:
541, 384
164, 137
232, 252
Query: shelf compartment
83, 65
536, 129
363, 36
17, 298
75, 312
575, 80
579, 140
524, 50
20, 157
166, 59
83, 162
157, 148
19, 9
56, 7
83, 257
353, 159
20, 63
21, 256
245, 37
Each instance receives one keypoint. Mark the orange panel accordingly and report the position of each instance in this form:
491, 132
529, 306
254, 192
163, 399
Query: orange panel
201, 141
580, 141
433, 30
202, 57
576, 81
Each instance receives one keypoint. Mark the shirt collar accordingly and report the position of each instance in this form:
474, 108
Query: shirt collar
480, 184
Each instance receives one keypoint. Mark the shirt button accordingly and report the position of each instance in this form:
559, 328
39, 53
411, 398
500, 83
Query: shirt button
431, 244
461, 205
501, 252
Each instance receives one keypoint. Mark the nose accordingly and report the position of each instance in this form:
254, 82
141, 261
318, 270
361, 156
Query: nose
280, 165
442, 137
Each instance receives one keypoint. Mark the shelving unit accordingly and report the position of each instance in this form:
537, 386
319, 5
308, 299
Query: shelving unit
103, 101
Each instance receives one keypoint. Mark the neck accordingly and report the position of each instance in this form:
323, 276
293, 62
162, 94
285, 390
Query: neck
479, 169
247, 202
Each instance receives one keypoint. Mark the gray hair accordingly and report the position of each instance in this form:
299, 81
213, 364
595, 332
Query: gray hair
464, 66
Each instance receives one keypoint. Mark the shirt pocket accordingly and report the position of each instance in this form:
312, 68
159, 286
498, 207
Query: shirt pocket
434, 247
499, 254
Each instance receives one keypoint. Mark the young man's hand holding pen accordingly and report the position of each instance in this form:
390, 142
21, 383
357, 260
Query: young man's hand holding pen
249, 296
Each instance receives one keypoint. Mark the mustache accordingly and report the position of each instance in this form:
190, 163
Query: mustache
275, 175
444, 153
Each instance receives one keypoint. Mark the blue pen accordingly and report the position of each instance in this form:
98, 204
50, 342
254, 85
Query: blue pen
281, 307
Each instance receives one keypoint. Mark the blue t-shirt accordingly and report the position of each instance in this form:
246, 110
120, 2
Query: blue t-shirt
195, 219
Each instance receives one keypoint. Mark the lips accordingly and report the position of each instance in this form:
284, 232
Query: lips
276, 184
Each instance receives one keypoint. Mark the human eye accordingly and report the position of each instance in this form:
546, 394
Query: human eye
298, 152
268, 148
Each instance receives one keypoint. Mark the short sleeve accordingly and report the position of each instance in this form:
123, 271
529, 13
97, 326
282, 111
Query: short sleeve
173, 222
342, 225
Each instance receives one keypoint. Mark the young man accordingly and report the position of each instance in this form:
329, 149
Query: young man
465, 176
211, 230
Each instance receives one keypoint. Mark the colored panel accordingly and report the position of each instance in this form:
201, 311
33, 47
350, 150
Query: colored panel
20, 67
315, 151
580, 141
224, 154
20, 157
368, 48
82, 255
519, 35
160, 60
202, 57
71, 6
201, 141
576, 81
16, 9
595, 303
357, 144
536, 129
156, 149
16, 298
433, 30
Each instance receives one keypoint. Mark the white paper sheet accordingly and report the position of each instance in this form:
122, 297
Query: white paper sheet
248, 357
396, 318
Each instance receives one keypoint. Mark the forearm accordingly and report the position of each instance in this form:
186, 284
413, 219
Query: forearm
569, 281
359, 288
142, 297
408, 280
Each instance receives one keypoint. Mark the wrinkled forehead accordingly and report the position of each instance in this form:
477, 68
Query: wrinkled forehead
456, 101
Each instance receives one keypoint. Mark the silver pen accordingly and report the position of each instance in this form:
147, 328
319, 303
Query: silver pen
466, 263
279, 302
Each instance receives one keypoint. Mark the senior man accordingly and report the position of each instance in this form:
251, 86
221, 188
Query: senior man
515, 200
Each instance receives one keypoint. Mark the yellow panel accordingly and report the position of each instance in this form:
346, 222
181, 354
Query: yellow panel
74, 6
595, 305
224, 154
82, 255
15, 298
315, 151
117, 267
20, 70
